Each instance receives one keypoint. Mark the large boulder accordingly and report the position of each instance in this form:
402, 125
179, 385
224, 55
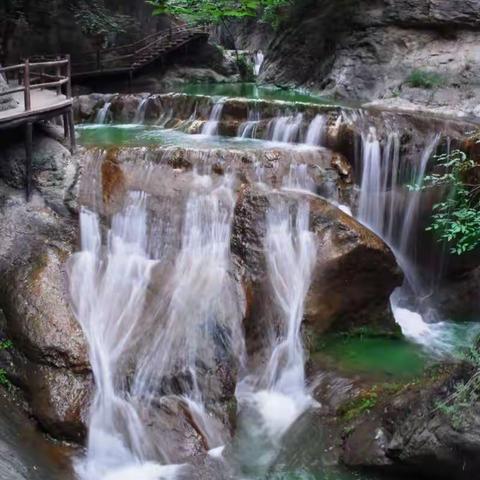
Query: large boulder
54, 168
353, 276
420, 430
48, 359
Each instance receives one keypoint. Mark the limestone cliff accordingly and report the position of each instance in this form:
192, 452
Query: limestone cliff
368, 49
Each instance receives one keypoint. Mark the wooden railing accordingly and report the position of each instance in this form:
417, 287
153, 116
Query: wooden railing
125, 56
38, 75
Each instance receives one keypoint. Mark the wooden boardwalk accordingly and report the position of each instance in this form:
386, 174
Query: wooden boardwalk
129, 59
42, 102
39, 91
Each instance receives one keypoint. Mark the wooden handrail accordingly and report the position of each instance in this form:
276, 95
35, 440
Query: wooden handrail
100, 58
138, 43
29, 77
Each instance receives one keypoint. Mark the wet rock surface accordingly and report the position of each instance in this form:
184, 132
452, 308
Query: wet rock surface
368, 50
354, 275
54, 169
48, 358
24, 453
408, 432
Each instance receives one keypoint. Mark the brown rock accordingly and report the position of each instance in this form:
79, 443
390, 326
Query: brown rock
39, 317
354, 274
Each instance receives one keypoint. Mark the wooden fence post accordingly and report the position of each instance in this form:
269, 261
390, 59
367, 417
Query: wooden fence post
28, 159
26, 83
59, 76
71, 131
69, 76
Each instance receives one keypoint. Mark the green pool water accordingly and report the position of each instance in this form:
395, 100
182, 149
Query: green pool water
131, 135
382, 356
327, 473
252, 90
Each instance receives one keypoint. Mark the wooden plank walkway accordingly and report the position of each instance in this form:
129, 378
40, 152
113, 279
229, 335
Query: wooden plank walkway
129, 59
42, 102
39, 91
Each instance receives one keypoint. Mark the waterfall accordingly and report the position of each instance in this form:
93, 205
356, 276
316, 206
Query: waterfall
211, 127
248, 129
370, 210
201, 299
103, 113
290, 249
392, 211
141, 111
108, 287
285, 129
316, 132
258, 62
142, 332
298, 179
276, 396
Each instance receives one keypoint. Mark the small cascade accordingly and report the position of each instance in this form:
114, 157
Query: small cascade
211, 127
165, 118
109, 303
317, 131
370, 210
285, 129
277, 395
393, 210
259, 58
248, 129
290, 248
156, 304
141, 111
298, 179
103, 113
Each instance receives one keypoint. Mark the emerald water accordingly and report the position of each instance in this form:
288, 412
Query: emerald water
253, 91
379, 356
132, 135
372, 357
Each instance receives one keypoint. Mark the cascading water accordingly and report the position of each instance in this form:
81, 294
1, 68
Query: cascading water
141, 111
248, 129
391, 209
211, 127
109, 288
142, 332
298, 179
276, 396
102, 114
285, 129
258, 62
316, 132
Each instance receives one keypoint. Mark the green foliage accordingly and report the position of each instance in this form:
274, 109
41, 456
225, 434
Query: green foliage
456, 220
363, 403
4, 381
95, 19
245, 68
216, 11
424, 79
6, 344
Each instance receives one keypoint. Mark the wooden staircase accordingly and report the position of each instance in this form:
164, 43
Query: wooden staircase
132, 58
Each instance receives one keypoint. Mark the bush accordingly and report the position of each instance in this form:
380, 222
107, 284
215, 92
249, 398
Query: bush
245, 68
424, 79
456, 220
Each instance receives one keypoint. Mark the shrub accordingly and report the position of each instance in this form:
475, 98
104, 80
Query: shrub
424, 79
456, 220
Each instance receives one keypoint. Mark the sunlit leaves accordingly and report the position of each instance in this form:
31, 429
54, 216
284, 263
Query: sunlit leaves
214, 11
456, 220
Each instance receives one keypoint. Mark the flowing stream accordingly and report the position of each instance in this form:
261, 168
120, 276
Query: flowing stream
155, 289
